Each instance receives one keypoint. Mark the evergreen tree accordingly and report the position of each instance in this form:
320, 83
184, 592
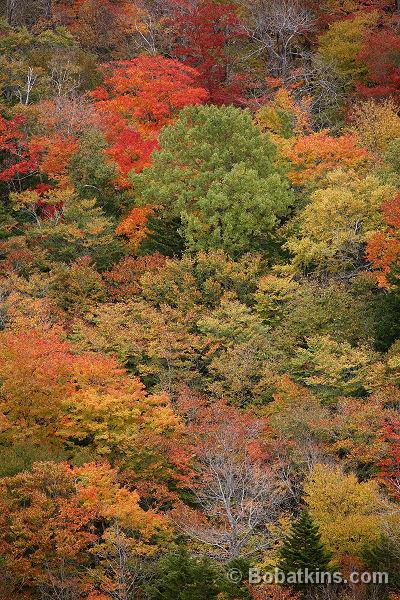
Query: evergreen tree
303, 549
218, 175
183, 577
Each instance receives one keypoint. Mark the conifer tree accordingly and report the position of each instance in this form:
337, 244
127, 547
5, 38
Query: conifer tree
303, 549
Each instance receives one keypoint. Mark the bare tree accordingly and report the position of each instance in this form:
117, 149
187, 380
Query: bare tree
28, 12
236, 491
276, 28
148, 25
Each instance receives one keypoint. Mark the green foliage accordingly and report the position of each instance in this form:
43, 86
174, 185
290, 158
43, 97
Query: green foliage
182, 577
82, 229
303, 548
92, 173
217, 173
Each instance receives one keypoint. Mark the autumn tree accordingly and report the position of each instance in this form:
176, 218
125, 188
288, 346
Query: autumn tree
149, 91
337, 224
68, 227
380, 54
99, 25
212, 162
237, 495
346, 511
84, 402
375, 125
206, 34
313, 156
19, 159
389, 468
58, 520
343, 41
384, 247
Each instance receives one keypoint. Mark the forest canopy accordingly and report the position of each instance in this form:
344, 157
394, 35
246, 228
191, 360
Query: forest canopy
199, 298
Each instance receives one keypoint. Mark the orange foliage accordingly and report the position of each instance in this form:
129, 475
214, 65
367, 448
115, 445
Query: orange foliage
134, 227
56, 152
314, 155
384, 247
56, 520
149, 91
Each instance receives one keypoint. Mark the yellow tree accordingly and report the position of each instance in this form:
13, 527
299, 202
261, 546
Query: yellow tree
347, 512
343, 41
335, 226
375, 124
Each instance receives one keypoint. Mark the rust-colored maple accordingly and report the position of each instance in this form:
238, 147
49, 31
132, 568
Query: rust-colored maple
204, 31
390, 466
124, 278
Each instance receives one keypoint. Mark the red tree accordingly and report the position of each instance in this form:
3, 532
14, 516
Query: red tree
19, 159
390, 467
148, 92
204, 30
381, 55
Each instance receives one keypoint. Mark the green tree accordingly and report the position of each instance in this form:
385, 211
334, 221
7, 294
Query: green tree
183, 577
216, 172
78, 227
93, 173
302, 548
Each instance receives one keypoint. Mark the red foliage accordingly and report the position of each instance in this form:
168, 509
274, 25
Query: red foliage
383, 249
381, 54
131, 152
148, 92
124, 278
203, 32
390, 467
19, 158
217, 426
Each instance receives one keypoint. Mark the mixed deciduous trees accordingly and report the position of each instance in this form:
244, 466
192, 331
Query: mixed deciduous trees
199, 296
